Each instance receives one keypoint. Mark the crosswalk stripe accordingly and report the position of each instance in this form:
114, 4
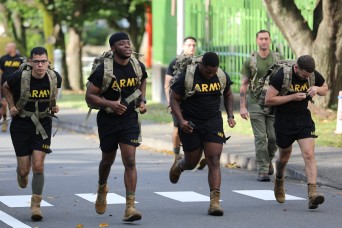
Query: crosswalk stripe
12, 222
185, 196
265, 194
112, 198
20, 201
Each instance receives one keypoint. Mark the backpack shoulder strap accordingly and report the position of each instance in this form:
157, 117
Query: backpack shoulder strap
53, 87
24, 88
253, 64
108, 74
189, 80
137, 69
222, 79
276, 56
312, 80
286, 87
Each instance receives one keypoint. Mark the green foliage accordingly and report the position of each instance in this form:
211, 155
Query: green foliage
95, 34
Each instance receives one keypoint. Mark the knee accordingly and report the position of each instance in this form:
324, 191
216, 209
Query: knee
23, 172
38, 167
308, 156
189, 165
130, 163
107, 162
213, 161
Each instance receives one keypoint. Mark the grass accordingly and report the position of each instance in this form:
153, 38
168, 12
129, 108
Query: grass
158, 113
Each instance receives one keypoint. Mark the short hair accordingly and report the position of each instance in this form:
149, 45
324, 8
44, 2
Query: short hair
262, 31
38, 51
307, 63
189, 38
210, 59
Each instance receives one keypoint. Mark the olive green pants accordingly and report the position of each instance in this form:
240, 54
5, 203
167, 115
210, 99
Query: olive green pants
264, 137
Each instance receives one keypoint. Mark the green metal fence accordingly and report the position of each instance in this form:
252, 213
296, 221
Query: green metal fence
229, 28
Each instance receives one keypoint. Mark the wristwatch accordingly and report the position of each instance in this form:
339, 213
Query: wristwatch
231, 116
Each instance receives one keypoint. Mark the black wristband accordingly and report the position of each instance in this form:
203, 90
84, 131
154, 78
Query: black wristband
142, 100
231, 116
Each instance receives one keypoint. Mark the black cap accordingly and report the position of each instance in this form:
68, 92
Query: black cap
117, 37
210, 59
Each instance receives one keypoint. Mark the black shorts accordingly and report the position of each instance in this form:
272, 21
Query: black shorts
204, 131
114, 129
175, 120
25, 139
291, 127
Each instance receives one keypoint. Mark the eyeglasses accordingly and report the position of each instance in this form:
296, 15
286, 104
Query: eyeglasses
40, 61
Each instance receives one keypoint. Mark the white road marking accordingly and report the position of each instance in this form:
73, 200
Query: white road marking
20, 201
185, 196
265, 194
12, 222
112, 198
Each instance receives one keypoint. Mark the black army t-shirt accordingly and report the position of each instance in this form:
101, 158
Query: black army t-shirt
205, 103
9, 65
126, 80
298, 85
39, 90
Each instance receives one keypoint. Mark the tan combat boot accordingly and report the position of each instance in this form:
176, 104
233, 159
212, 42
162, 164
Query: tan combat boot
175, 170
35, 207
315, 198
215, 208
101, 199
279, 191
131, 214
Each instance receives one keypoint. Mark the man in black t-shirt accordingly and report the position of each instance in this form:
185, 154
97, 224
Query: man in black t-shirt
293, 122
201, 124
117, 122
9, 63
31, 120
189, 49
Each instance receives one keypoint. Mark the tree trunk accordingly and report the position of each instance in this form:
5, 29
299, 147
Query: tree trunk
60, 43
74, 55
325, 48
4, 12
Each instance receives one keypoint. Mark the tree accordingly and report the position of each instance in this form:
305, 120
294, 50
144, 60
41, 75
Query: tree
323, 42
21, 21
133, 11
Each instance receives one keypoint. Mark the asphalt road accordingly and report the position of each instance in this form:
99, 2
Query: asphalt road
71, 182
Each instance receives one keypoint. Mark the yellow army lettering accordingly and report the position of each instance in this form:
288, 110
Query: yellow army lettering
125, 83
44, 146
220, 134
300, 88
45, 93
207, 87
12, 64
134, 141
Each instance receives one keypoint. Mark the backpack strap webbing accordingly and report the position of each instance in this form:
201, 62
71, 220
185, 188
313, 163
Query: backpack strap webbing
137, 69
189, 80
222, 79
25, 97
53, 88
253, 67
24, 88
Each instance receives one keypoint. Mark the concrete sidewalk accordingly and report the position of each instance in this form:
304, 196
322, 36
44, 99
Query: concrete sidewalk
239, 149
